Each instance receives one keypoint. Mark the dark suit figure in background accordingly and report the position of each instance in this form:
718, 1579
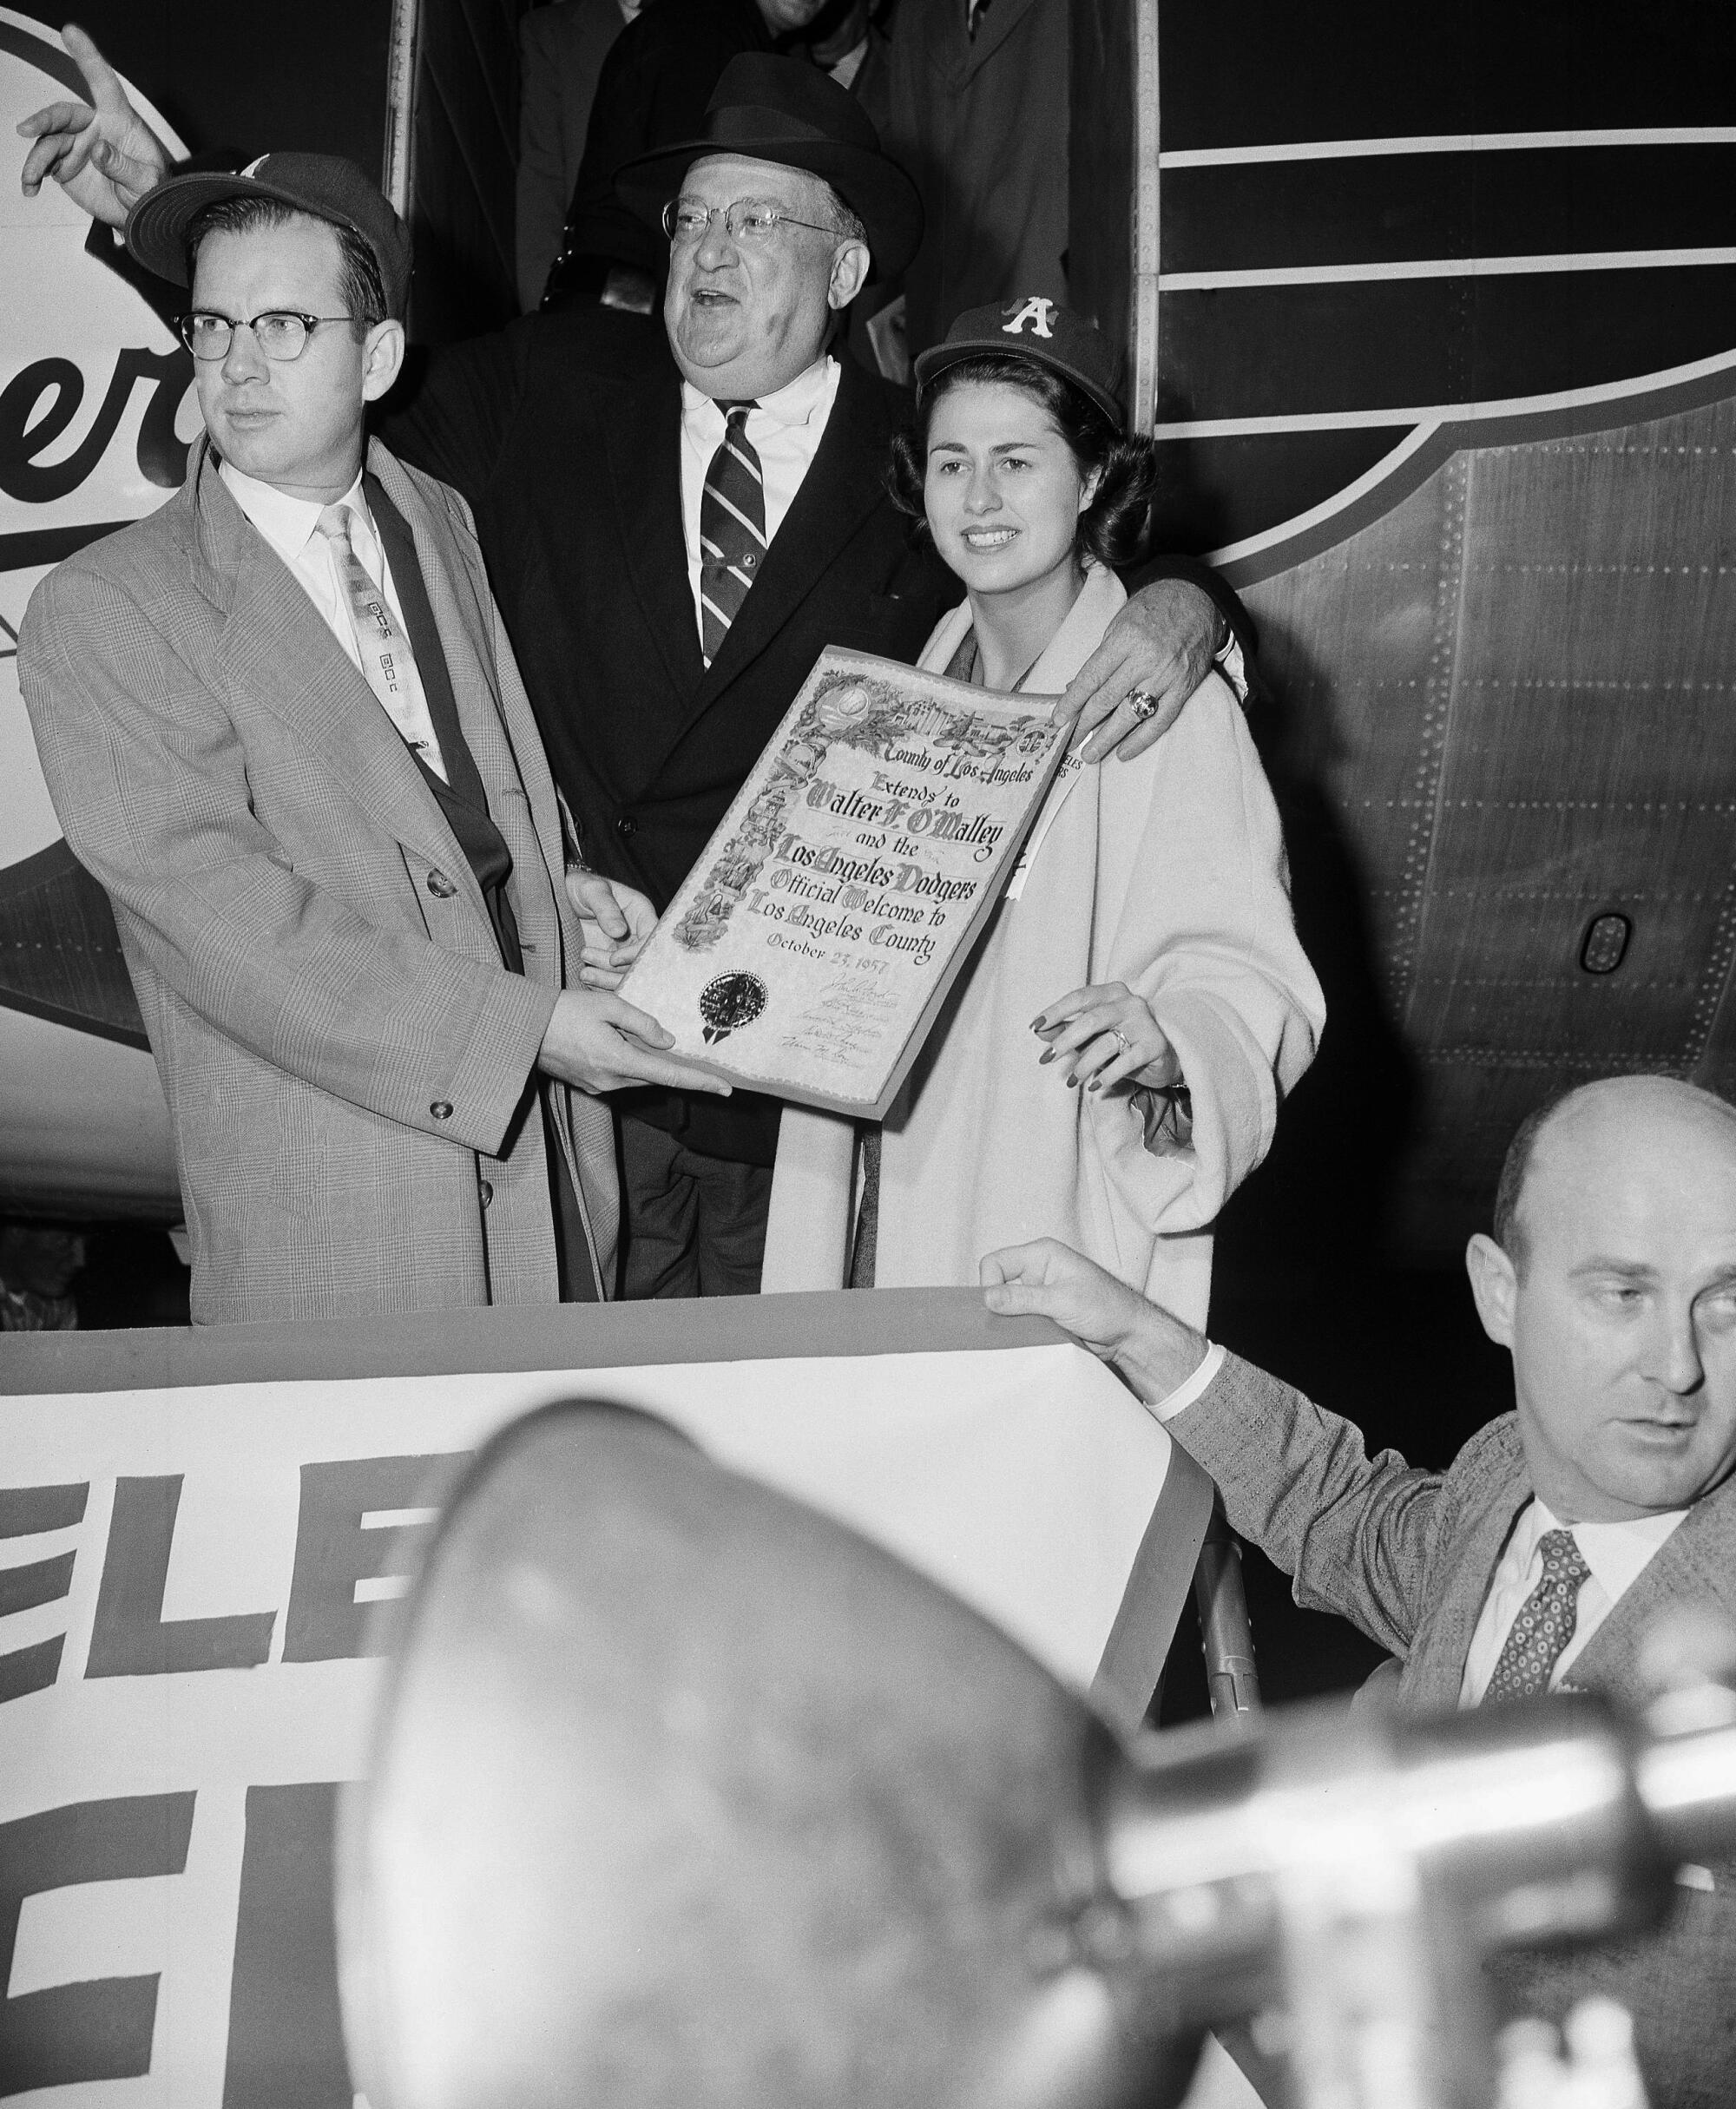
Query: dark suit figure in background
39, 1262
660, 74
974, 113
586, 466
653, 91
1546, 1554
561, 52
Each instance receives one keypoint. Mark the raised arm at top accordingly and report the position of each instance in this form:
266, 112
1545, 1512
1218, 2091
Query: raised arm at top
102, 152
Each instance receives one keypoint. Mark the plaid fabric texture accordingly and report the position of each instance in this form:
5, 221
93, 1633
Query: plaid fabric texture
346, 1063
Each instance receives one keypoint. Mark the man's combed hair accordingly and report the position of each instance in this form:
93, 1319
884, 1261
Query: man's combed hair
1506, 1229
1112, 528
359, 285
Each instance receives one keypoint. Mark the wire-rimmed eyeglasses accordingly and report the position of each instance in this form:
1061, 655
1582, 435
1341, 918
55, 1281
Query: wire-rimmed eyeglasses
280, 332
687, 221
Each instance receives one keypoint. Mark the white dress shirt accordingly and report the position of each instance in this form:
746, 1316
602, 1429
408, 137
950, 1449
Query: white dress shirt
291, 526
785, 429
1616, 1553
846, 69
288, 525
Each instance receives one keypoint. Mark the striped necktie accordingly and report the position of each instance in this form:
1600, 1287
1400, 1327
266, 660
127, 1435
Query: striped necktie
1545, 1624
388, 664
731, 528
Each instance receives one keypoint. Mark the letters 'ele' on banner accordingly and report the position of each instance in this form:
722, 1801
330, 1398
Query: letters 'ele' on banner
811, 946
196, 1534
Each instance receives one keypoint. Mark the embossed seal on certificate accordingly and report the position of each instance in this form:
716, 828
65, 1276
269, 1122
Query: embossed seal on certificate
731, 1000
809, 950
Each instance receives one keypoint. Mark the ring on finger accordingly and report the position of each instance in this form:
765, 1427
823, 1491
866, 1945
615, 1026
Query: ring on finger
1142, 704
1127, 1044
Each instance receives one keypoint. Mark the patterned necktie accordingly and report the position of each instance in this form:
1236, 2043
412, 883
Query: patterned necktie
387, 662
1545, 1624
731, 528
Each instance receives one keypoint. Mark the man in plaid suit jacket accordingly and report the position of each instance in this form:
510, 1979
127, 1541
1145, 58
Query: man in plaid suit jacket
317, 798
1611, 1279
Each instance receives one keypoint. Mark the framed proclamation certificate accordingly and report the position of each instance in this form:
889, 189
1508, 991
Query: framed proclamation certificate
811, 947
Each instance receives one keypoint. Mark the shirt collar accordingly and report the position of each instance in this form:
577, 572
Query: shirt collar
286, 522
1616, 1553
794, 404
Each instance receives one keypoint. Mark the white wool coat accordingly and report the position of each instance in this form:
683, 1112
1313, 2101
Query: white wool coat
1166, 872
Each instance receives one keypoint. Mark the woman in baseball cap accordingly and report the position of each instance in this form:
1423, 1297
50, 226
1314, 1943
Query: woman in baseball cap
1111, 1063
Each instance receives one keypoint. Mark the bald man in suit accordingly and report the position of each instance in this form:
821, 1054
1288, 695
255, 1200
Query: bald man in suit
1546, 1553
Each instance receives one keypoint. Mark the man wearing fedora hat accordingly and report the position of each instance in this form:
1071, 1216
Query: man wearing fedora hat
652, 88
674, 545
280, 722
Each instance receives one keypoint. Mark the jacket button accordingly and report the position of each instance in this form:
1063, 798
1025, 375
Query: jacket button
440, 886
487, 1193
627, 825
441, 1110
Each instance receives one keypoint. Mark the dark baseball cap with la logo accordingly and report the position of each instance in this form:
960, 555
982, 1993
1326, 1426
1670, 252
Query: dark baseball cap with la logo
1037, 328
324, 186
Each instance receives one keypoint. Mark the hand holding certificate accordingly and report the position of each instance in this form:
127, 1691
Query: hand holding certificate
812, 944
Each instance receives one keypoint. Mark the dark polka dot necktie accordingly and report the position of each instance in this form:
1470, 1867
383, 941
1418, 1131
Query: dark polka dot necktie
731, 528
1545, 1624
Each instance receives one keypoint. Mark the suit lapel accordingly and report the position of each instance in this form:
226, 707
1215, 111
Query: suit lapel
997, 26
641, 444
844, 484
1435, 1668
276, 650
1696, 1564
520, 805
425, 642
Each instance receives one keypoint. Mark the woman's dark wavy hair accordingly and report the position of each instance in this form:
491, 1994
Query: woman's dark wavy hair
1114, 526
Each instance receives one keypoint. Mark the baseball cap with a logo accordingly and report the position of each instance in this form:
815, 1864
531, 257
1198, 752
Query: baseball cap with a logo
325, 185
1036, 328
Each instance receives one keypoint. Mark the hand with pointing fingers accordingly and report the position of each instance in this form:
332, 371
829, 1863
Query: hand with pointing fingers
102, 152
